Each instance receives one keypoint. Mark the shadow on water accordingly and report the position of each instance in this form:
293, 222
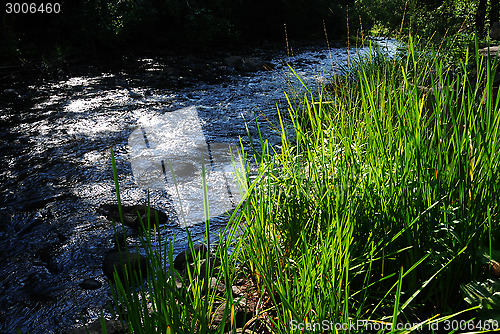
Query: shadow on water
55, 168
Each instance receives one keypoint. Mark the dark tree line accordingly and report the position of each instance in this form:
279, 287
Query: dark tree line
103, 26
110, 27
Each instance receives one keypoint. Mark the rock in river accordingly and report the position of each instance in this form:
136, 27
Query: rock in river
126, 263
131, 214
247, 64
90, 284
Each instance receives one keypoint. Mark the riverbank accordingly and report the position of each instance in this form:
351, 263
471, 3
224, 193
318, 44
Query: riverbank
56, 174
194, 60
364, 217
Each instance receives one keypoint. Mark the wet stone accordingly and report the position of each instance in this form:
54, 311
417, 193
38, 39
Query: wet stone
134, 95
11, 92
131, 214
126, 263
184, 258
90, 284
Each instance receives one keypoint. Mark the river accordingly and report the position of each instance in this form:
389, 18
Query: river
55, 166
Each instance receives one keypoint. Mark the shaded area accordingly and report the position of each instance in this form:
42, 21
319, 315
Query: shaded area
107, 28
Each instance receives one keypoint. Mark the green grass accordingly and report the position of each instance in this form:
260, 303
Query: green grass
379, 209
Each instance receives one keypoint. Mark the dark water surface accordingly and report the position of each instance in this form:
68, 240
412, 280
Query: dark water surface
55, 168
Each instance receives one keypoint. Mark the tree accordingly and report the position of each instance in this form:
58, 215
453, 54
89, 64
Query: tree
494, 10
480, 17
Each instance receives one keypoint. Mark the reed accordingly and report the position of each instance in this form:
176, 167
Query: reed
378, 208
375, 208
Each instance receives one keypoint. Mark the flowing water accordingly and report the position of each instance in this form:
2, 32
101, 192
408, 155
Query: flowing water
55, 167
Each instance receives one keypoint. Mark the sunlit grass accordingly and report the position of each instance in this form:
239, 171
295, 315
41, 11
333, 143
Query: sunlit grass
375, 209
381, 201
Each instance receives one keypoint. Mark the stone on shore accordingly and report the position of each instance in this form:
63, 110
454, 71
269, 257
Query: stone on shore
186, 257
495, 31
493, 51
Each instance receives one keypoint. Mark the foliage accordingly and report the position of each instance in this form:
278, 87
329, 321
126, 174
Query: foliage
430, 18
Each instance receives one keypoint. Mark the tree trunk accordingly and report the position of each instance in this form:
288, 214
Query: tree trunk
480, 17
494, 11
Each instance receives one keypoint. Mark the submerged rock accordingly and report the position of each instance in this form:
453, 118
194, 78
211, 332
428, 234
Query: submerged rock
248, 64
90, 284
11, 92
131, 214
134, 95
41, 287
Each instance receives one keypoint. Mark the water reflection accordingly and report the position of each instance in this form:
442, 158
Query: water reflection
169, 152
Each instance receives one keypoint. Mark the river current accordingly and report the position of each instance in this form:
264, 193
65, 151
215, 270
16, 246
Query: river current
55, 166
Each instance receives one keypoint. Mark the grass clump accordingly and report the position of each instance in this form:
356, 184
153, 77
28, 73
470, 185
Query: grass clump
371, 215
380, 206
